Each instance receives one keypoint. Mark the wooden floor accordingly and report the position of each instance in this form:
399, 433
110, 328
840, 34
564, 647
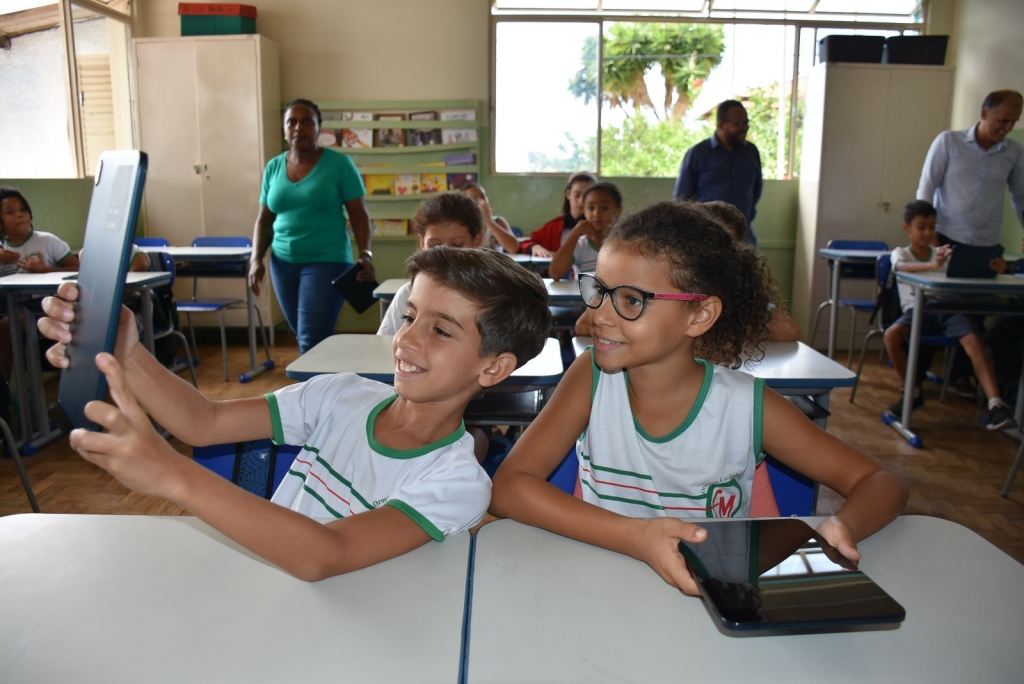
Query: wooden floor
958, 475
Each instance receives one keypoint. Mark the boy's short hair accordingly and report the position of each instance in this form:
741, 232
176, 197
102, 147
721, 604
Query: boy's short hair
448, 207
611, 189
917, 208
513, 302
731, 218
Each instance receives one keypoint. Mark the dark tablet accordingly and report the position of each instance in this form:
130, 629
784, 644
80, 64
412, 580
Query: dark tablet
109, 229
356, 292
775, 577
968, 261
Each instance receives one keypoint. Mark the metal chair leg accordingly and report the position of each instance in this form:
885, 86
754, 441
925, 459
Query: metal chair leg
947, 368
860, 366
817, 319
224, 344
188, 356
1017, 462
853, 335
13, 449
263, 332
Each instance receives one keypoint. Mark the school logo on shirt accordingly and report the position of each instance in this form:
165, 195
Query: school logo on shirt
726, 500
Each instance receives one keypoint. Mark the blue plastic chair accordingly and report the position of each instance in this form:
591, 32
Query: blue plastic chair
883, 267
164, 262
151, 242
217, 304
850, 272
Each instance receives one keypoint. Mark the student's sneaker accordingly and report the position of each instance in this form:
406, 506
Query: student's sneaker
963, 388
999, 417
896, 410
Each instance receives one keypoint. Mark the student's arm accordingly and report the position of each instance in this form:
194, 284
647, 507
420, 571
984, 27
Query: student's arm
934, 169
132, 452
37, 264
359, 217
782, 327
502, 232
874, 495
941, 256
562, 261
521, 492
262, 236
544, 241
140, 262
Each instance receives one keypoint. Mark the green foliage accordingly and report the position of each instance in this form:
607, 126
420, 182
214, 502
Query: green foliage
640, 148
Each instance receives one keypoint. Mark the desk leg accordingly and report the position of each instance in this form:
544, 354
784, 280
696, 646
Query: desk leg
254, 368
147, 320
18, 366
833, 310
32, 365
902, 426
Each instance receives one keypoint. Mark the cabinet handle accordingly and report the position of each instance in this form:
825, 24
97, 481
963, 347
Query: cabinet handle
884, 205
195, 167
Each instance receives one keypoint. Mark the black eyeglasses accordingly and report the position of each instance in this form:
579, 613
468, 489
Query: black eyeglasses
628, 301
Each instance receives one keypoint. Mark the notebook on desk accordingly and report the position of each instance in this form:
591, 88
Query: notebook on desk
968, 261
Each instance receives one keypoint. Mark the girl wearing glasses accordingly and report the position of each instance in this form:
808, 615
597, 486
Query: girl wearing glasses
664, 428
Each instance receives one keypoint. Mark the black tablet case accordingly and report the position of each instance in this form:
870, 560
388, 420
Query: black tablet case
357, 293
109, 229
968, 261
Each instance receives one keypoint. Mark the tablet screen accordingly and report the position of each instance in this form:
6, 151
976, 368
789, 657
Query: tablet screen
777, 575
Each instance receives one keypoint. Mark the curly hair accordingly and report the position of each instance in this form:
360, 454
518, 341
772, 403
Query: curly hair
704, 258
448, 207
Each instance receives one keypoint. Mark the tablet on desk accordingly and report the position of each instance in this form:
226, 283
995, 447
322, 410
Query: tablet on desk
968, 261
776, 576
109, 229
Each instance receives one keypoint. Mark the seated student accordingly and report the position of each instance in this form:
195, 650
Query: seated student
782, 327
139, 260
602, 204
681, 434
497, 231
546, 240
922, 255
473, 316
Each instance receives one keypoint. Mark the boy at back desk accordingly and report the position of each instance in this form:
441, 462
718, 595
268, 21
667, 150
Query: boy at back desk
922, 255
392, 467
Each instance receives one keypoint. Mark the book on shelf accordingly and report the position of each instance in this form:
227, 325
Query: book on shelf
451, 136
389, 137
433, 182
379, 184
457, 181
389, 227
361, 138
423, 136
407, 184
327, 138
460, 159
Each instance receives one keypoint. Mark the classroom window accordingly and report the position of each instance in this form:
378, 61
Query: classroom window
661, 77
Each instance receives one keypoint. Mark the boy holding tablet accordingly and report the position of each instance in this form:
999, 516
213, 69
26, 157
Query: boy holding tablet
393, 467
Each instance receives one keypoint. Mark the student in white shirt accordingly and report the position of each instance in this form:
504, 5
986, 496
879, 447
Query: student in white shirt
602, 204
393, 466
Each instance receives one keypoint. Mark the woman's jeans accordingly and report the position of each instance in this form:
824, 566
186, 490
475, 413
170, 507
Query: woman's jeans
309, 301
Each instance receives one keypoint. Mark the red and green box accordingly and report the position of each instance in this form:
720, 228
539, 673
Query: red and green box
215, 19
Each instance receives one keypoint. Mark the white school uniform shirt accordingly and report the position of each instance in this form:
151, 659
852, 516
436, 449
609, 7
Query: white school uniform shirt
343, 470
906, 291
393, 317
50, 248
584, 255
704, 468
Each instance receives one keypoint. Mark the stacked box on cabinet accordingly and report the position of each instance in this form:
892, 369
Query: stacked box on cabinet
214, 19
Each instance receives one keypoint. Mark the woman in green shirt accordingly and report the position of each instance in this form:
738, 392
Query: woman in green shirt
306, 194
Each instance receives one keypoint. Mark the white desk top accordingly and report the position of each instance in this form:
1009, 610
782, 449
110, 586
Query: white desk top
49, 281
934, 281
562, 291
370, 356
864, 255
389, 288
549, 609
785, 365
202, 252
109, 599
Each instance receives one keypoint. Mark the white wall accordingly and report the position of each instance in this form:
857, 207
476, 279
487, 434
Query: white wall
365, 49
989, 54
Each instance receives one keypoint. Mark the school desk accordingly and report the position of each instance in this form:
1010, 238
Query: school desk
220, 262
26, 285
838, 257
111, 599
370, 356
806, 377
934, 292
545, 608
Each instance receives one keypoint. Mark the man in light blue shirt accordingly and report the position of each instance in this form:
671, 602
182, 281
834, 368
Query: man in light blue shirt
965, 172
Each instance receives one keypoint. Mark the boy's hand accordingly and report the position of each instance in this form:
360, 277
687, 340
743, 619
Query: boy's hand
835, 532
129, 449
57, 322
659, 547
942, 255
998, 265
539, 251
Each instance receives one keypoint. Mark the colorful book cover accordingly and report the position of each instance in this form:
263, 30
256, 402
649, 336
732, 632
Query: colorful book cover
378, 184
460, 159
357, 137
327, 138
452, 136
407, 184
389, 137
423, 136
433, 182
389, 227
457, 181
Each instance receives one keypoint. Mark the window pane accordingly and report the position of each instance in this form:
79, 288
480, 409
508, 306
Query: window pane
545, 86
101, 52
764, 5
547, 4
904, 7
657, 5
36, 142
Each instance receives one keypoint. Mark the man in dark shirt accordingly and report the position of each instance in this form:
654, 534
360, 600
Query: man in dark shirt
724, 167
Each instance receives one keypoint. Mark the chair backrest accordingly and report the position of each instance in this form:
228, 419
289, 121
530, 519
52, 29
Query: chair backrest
857, 271
887, 304
1018, 266
151, 242
233, 241
163, 262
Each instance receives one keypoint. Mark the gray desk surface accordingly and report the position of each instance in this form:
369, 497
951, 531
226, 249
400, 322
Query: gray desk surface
785, 365
549, 609
852, 255
109, 599
45, 282
370, 356
932, 281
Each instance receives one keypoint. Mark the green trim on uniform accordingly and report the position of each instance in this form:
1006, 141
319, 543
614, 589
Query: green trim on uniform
31, 232
275, 418
705, 387
595, 377
323, 503
406, 453
758, 419
418, 518
339, 478
70, 252
628, 473
621, 499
